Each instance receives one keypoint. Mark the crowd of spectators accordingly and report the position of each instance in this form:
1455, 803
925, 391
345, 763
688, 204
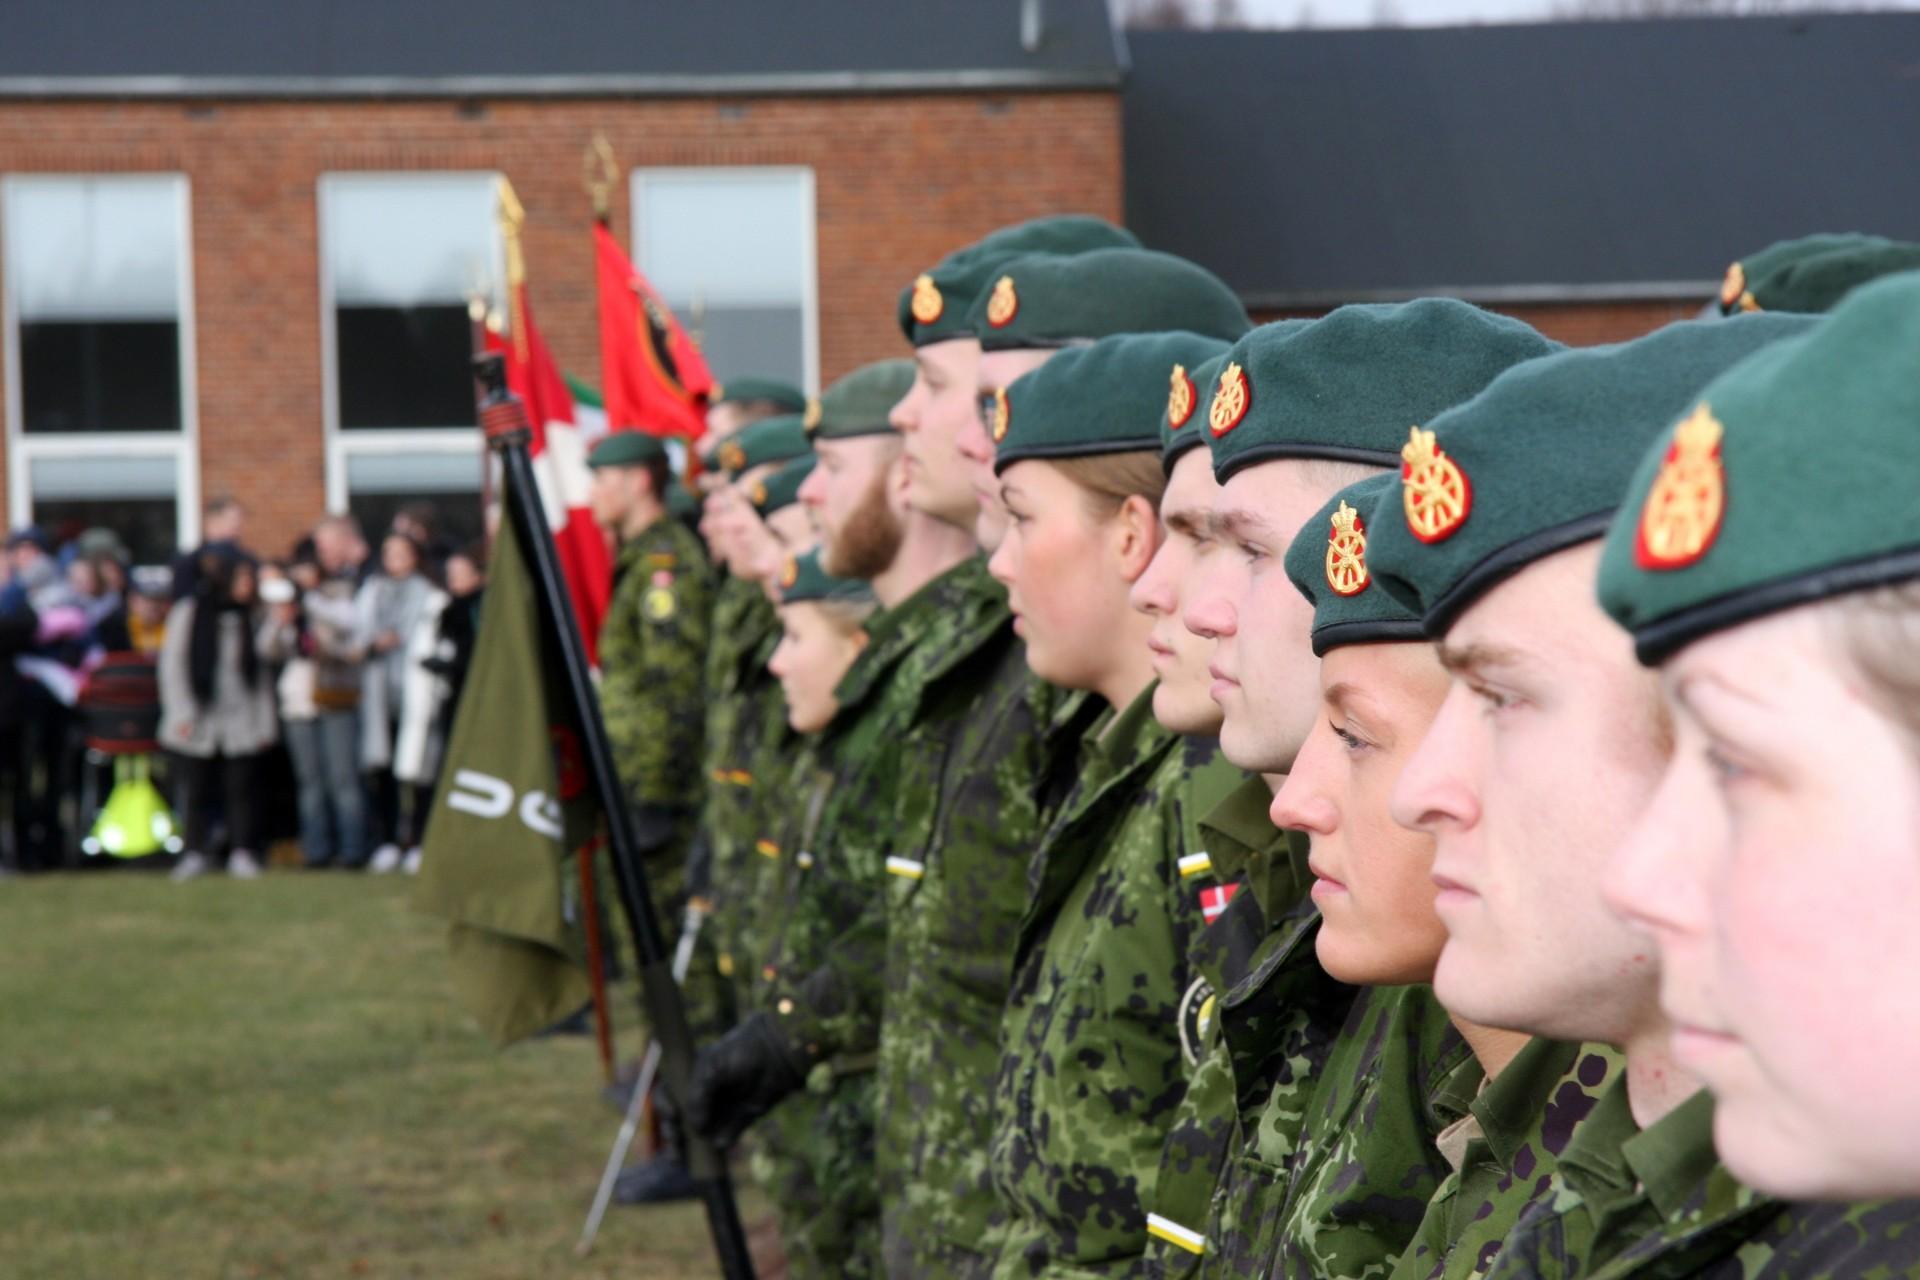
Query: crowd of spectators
308, 696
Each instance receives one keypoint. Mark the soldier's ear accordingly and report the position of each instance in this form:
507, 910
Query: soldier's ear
1135, 529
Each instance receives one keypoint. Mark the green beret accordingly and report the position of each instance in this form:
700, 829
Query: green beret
681, 504
934, 307
1106, 398
1347, 386
1788, 480
1539, 461
1046, 301
1328, 562
802, 579
1736, 288
626, 449
782, 488
859, 403
782, 395
778, 439
1817, 283
1189, 402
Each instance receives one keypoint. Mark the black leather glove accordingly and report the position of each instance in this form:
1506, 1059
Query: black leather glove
742, 1076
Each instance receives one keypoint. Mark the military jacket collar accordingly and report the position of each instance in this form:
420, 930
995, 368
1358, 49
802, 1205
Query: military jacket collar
891, 635
1675, 1156
1523, 1100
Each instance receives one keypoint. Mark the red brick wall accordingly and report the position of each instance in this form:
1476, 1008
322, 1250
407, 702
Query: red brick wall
898, 181
1582, 324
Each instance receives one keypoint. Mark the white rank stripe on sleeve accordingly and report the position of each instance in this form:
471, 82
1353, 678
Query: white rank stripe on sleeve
1173, 1233
1195, 864
906, 867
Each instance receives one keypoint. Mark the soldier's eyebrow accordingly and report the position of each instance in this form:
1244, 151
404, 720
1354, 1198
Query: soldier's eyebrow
1191, 522
1243, 522
1467, 659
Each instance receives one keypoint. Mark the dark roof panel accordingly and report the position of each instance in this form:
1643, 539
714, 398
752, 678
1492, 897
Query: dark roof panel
167, 48
1634, 157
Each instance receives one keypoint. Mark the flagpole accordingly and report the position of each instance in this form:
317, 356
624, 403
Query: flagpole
504, 421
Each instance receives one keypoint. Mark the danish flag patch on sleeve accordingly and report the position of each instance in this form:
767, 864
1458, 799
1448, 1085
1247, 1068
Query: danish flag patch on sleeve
1213, 901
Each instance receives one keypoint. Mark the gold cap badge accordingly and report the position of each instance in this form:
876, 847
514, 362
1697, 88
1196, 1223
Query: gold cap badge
759, 493
927, 305
1230, 400
1433, 490
1681, 517
811, 420
1002, 414
789, 573
1004, 305
1347, 553
1733, 285
716, 393
1180, 398
732, 456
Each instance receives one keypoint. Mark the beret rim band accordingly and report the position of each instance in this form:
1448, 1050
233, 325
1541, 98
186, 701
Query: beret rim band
850, 433
1377, 631
1290, 452
1077, 449
1032, 344
1172, 452
1503, 562
1656, 641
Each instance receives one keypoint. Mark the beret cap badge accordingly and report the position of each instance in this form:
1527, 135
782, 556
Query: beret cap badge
1347, 553
1682, 513
1002, 414
927, 305
1180, 398
789, 573
1230, 400
812, 418
1434, 491
1004, 305
732, 456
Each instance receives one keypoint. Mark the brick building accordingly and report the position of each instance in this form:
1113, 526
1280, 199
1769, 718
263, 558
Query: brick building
239, 240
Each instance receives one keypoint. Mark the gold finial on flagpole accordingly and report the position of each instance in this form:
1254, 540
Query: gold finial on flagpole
598, 174
512, 217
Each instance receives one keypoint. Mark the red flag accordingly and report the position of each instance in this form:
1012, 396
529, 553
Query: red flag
1214, 901
560, 465
653, 377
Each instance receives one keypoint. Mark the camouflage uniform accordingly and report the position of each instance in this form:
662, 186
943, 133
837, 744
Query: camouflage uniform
972, 799
1366, 1162
1091, 1073
653, 649
1506, 1155
826, 930
745, 713
1256, 1032
1658, 1205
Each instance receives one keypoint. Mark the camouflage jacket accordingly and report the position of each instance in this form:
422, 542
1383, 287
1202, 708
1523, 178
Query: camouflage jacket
1658, 1205
1256, 1024
834, 932
973, 796
1091, 1073
653, 651
1366, 1162
1506, 1154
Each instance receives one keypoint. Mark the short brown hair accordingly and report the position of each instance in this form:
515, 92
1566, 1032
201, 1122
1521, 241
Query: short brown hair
1109, 479
1879, 632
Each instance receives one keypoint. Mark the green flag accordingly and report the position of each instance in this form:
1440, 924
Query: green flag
512, 809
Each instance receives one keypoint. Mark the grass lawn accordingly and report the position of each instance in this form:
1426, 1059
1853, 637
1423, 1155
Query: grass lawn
226, 1079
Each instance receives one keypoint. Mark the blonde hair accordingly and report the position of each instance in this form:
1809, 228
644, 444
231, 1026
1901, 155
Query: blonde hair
1107, 480
1879, 633
847, 616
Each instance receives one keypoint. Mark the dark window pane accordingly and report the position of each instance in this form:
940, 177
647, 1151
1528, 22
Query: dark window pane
100, 375
146, 525
456, 517
405, 366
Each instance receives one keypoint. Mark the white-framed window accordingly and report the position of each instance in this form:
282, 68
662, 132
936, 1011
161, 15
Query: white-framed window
401, 257
101, 408
732, 251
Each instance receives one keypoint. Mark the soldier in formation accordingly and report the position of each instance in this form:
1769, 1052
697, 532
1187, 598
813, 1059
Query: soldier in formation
1330, 798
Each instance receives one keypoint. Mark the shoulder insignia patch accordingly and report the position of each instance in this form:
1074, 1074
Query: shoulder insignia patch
1230, 400
662, 560
789, 573
1004, 304
1196, 1018
658, 603
1214, 900
1002, 414
927, 305
1434, 491
1180, 398
1682, 514
1347, 553
811, 421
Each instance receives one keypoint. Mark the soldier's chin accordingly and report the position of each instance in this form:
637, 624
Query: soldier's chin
1184, 706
